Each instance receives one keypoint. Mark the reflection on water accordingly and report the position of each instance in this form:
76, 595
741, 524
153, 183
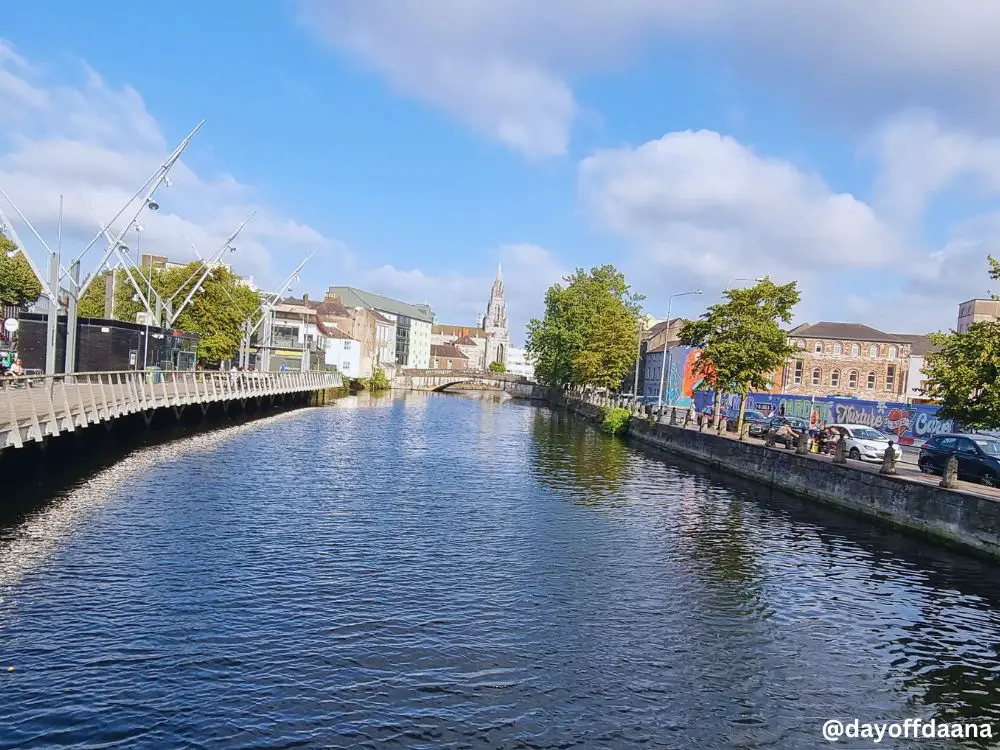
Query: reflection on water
418, 570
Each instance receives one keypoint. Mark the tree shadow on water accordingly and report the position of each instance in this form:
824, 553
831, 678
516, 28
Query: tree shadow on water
574, 458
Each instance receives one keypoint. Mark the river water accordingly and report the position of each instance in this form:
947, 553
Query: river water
438, 571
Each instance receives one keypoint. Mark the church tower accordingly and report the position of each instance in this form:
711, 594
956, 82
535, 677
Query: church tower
495, 324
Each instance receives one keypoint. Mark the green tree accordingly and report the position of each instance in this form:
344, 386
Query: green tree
18, 284
498, 367
963, 373
742, 340
588, 334
127, 304
217, 310
378, 381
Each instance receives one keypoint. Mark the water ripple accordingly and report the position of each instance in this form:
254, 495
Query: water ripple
449, 572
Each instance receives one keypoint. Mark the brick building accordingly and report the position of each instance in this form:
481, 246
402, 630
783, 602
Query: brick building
448, 357
848, 359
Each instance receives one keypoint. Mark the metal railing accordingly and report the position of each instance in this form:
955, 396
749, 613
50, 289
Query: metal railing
33, 407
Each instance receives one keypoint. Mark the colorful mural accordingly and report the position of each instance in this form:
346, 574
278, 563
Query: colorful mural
912, 424
682, 381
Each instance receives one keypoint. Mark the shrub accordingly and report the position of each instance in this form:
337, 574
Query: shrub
378, 381
615, 421
498, 367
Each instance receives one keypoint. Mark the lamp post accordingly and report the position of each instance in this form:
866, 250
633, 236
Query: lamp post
663, 370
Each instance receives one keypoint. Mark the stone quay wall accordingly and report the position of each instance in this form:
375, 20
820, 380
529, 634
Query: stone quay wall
956, 517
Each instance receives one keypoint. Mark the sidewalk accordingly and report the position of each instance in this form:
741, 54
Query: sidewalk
906, 467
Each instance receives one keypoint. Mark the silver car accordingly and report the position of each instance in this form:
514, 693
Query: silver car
865, 443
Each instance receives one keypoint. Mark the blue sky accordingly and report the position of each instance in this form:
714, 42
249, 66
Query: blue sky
416, 142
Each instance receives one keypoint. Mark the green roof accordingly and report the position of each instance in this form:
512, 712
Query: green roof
352, 297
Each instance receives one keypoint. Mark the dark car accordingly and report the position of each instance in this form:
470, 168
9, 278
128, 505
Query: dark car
978, 457
773, 424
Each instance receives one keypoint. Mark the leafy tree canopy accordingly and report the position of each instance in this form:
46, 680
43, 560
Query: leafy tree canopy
498, 367
963, 373
18, 284
742, 340
588, 334
964, 369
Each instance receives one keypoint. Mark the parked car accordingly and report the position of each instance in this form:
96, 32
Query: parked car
978, 457
865, 443
773, 424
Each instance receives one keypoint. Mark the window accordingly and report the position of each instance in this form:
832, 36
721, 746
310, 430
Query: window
818, 347
871, 381
797, 376
835, 379
852, 379
447, 364
347, 344
893, 352
946, 443
838, 349
890, 377
800, 344
965, 446
817, 376
873, 350
855, 350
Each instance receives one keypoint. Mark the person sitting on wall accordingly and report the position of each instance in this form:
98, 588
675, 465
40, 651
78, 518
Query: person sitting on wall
785, 435
17, 370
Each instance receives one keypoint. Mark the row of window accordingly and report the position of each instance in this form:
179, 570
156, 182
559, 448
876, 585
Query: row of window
838, 349
852, 377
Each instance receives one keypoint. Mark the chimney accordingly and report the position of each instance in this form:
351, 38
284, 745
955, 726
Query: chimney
305, 297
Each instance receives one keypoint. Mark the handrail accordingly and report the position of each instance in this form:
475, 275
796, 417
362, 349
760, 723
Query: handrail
33, 407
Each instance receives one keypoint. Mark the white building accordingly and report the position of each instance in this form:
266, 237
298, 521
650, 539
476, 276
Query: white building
412, 323
519, 362
342, 352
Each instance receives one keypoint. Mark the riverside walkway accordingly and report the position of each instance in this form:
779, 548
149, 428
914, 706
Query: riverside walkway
36, 407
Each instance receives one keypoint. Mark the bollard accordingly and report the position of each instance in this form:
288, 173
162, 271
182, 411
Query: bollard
802, 444
949, 479
722, 423
840, 453
687, 417
888, 460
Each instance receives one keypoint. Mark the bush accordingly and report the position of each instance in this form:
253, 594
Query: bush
498, 367
378, 381
615, 421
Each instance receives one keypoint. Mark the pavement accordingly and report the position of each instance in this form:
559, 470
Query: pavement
906, 468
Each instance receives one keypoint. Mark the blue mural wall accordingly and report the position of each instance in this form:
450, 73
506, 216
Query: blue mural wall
912, 424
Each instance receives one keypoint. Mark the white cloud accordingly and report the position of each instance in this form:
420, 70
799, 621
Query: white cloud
94, 143
505, 67
528, 270
702, 204
918, 157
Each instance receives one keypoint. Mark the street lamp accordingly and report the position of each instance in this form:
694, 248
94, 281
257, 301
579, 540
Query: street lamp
741, 278
664, 362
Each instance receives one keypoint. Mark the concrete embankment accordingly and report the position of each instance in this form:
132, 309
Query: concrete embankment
958, 517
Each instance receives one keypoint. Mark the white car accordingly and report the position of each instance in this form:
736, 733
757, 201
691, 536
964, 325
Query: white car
865, 443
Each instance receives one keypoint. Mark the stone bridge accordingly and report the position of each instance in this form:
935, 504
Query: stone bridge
517, 386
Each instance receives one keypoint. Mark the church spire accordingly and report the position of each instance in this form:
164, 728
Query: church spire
499, 274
